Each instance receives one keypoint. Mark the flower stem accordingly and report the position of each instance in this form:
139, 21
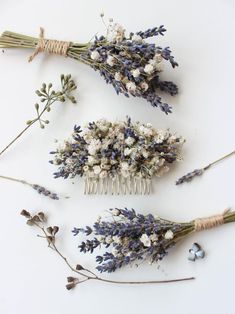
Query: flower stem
16, 138
16, 180
50, 97
218, 160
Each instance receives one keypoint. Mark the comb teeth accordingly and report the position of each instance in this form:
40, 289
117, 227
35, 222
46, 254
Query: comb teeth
118, 185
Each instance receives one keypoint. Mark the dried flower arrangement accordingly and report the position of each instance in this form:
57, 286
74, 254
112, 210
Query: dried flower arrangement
49, 97
117, 157
133, 237
40, 189
128, 62
82, 274
198, 172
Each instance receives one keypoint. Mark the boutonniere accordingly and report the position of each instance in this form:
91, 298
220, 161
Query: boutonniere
129, 62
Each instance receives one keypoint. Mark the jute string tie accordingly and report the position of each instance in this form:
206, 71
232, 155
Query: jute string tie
210, 222
50, 46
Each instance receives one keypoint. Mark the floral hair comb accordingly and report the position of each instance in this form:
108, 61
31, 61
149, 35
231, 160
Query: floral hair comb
126, 61
117, 157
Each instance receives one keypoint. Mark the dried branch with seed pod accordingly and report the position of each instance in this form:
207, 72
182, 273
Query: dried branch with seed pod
49, 97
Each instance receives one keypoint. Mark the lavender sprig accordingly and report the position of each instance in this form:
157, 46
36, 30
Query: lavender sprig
49, 233
198, 172
40, 189
189, 176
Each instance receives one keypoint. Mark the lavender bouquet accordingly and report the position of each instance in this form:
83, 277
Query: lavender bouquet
117, 157
128, 62
134, 237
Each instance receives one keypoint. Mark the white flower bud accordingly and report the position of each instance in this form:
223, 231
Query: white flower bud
148, 69
169, 235
95, 55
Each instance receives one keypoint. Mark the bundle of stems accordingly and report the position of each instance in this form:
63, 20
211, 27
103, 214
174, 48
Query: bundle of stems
81, 273
132, 237
128, 62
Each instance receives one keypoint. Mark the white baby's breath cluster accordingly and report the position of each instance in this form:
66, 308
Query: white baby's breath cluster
118, 149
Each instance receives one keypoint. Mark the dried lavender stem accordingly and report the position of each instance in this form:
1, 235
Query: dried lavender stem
16, 180
198, 172
40, 189
95, 277
218, 160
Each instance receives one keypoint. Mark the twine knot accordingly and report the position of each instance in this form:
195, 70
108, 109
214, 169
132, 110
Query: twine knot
210, 222
50, 46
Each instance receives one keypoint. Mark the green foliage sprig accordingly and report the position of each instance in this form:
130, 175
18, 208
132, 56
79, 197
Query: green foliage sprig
48, 96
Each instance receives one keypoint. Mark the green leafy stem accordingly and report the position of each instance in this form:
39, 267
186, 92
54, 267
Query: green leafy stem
48, 97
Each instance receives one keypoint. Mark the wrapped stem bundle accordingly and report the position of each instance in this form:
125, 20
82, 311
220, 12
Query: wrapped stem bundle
117, 157
82, 274
134, 237
127, 62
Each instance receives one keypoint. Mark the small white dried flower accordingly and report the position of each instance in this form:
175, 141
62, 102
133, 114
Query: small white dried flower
116, 212
136, 72
96, 169
149, 69
158, 58
127, 151
103, 174
131, 87
145, 240
95, 55
85, 168
108, 239
144, 86
169, 235
161, 136
118, 76
145, 130
124, 166
153, 237
129, 141
117, 239
117, 33
110, 61
91, 160
137, 38
145, 154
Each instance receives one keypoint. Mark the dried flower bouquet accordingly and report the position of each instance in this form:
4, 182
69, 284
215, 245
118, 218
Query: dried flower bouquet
129, 63
132, 237
82, 274
117, 157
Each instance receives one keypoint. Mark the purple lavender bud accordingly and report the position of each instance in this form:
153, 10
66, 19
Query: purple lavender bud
189, 176
45, 192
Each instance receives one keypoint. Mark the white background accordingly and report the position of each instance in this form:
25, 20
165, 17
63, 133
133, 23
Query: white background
32, 278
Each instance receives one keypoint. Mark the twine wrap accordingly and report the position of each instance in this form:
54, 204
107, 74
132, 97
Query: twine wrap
50, 46
210, 222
